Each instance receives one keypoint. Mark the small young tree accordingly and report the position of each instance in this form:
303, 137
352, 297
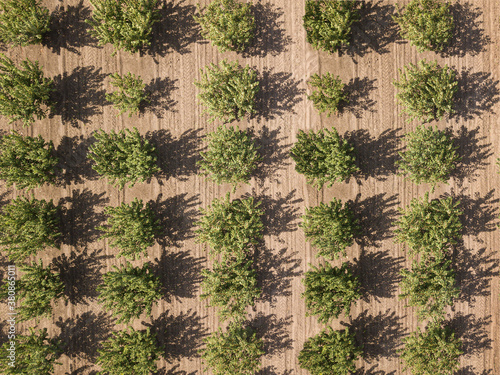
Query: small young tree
328, 23
428, 227
229, 25
28, 226
35, 353
24, 92
228, 91
129, 291
231, 157
329, 95
130, 94
23, 22
129, 352
126, 24
427, 90
433, 351
427, 24
123, 157
231, 286
323, 157
430, 156
331, 228
330, 352
236, 351
330, 290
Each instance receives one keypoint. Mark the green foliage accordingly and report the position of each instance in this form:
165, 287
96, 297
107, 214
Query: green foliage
228, 91
130, 94
23, 22
427, 90
434, 351
129, 291
35, 354
231, 286
329, 95
24, 92
129, 352
231, 157
123, 157
330, 352
328, 23
229, 25
330, 290
427, 24
131, 228
234, 352
127, 24
26, 161
428, 227
430, 156
323, 157
28, 226
331, 228
430, 286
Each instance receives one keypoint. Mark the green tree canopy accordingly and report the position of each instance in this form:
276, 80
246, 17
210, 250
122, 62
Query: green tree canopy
130, 94
23, 22
330, 94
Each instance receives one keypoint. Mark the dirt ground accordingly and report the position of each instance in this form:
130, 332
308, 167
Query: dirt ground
175, 124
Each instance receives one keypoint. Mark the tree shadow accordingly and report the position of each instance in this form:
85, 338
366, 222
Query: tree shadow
358, 92
272, 370
160, 90
174, 371
473, 153
274, 332
79, 95
74, 165
274, 155
470, 370
373, 371
83, 371
472, 331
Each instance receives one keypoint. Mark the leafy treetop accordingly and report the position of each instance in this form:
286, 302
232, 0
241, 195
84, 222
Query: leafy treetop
330, 95
23, 22
130, 94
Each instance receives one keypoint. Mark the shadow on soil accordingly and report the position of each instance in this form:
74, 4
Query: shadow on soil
160, 91
358, 91
472, 331
470, 370
274, 333
74, 165
473, 152
174, 371
373, 371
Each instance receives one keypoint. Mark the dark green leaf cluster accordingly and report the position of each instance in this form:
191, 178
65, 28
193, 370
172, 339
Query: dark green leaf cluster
328, 23
430, 156
329, 95
427, 24
26, 161
129, 291
129, 352
229, 25
427, 91
24, 92
127, 24
323, 157
228, 91
330, 290
234, 352
130, 94
123, 157
330, 352
231, 156
23, 22
28, 226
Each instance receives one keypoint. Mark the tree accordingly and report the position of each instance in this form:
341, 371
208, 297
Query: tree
328, 23
231, 286
35, 353
23, 22
28, 226
24, 92
129, 291
430, 156
234, 352
231, 157
127, 24
129, 352
330, 352
130, 94
229, 25
330, 290
428, 227
430, 286
331, 228
123, 157
427, 91
228, 91
26, 161
433, 351
323, 157
427, 24
329, 95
